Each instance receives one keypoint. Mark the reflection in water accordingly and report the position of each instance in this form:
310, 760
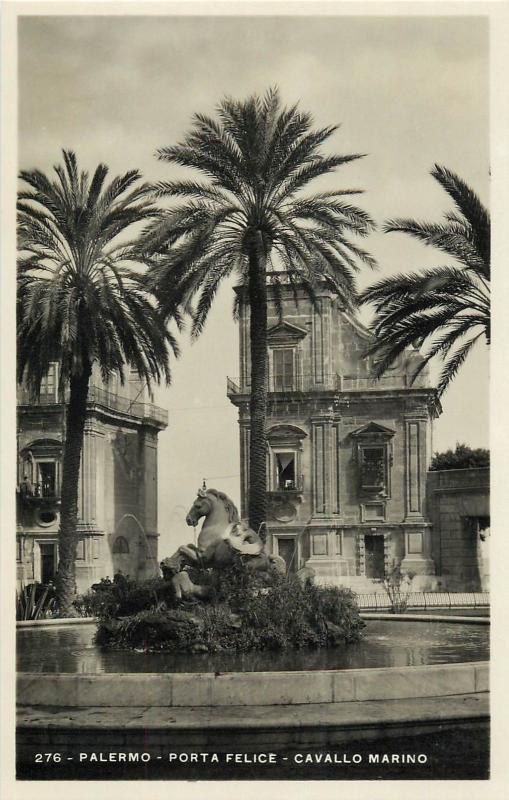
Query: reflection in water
385, 644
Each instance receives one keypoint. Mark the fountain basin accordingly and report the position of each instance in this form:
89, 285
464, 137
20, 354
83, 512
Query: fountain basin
250, 688
281, 710
62, 667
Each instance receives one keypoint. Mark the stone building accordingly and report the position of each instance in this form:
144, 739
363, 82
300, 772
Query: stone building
118, 482
458, 503
347, 455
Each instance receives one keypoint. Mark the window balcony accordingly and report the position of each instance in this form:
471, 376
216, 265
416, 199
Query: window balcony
98, 396
291, 488
334, 382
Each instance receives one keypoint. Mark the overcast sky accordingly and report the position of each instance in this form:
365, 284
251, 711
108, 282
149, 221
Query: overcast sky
409, 92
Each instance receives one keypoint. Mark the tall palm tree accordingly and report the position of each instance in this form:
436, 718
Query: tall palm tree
80, 301
248, 217
448, 306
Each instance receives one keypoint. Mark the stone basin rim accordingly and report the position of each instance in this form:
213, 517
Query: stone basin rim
382, 615
173, 690
226, 674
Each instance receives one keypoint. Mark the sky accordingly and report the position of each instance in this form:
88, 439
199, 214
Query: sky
408, 92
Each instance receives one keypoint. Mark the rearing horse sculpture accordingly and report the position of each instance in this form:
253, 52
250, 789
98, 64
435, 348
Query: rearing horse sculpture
222, 537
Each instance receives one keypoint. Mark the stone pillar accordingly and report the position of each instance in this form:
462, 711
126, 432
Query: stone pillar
323, 454
88, 476
416, 461
335, 475
245, 436
318, 344
417, 557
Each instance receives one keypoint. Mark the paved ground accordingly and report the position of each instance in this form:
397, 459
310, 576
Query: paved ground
446, 738
384, 712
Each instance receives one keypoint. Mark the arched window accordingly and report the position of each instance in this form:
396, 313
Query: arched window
40, 464
120, 545
285, 446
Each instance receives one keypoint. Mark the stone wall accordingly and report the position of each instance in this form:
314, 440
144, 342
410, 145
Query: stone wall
457, 503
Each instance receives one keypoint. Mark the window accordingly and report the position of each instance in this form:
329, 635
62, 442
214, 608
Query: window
372, 450
19, 549
48, 389
46, 517
283, 369
373, 468
120, 545
285, 472
284, 458
40, 462
339, 543
46, 478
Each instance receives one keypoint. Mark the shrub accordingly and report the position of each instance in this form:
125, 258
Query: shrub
123, 596
244, 614
35, 601
397, 585
463, 457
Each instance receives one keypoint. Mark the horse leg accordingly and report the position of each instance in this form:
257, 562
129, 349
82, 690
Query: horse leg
189, 553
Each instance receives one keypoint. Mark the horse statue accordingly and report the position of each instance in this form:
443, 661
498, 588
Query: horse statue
222, 539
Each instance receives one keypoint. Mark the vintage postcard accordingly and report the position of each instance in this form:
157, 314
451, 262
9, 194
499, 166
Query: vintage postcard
246, 368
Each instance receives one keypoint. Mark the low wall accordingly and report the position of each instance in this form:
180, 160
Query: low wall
250, 688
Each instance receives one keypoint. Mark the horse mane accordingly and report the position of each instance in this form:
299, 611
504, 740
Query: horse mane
231, 508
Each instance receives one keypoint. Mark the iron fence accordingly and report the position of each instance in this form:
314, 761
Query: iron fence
380, 601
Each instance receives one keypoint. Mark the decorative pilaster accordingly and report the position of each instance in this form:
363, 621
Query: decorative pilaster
245, 437
324, 471
418, 558
318, 344
335, 476
415, 473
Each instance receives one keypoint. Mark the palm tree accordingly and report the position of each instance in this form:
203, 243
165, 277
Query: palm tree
249, 218
448, 306
80, 301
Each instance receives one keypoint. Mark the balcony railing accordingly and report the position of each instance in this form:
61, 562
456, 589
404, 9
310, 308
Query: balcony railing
328, 382
99, 396
295, 486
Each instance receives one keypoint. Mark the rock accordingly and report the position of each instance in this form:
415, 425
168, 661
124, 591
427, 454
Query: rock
306, 575
334, 632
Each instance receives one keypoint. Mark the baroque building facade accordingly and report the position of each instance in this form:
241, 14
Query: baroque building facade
117, 502
347, 455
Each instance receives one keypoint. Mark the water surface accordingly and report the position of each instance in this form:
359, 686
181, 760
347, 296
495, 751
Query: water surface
386, 643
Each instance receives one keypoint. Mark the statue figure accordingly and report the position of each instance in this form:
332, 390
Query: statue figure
222, 538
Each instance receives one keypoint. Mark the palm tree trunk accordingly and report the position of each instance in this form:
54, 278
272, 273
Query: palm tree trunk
257, 503
68, 536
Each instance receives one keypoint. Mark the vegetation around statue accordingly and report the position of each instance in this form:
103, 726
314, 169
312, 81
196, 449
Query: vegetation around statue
242, 612
224, 593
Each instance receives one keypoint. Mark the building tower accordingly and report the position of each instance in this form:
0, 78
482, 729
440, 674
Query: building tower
117, 504
347, 454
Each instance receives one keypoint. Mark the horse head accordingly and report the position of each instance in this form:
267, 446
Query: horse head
201, 507
211, 501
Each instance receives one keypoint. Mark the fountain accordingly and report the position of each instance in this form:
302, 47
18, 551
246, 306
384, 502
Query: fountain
232, 692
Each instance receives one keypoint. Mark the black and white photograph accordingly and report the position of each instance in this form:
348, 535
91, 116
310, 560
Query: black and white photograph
250, 344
